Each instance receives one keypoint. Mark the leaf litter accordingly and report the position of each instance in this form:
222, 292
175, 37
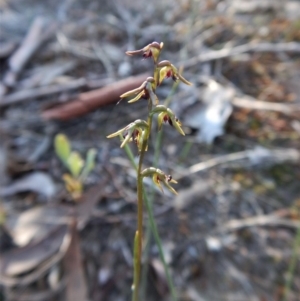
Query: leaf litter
246, 137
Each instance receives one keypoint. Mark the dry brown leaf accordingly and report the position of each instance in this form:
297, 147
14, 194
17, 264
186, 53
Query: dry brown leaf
36, 223
25, 259
76, 289
38, 182
88, 202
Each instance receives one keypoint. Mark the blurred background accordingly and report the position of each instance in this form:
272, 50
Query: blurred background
67, 194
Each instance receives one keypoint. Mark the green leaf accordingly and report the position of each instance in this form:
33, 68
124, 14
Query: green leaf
90, 159
62, 147
75, 163
90, 163
162, 74
137, 97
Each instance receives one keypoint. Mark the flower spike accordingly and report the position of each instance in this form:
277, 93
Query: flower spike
151, 50
145, 90
166, 69
166, 115
159, 177
132, 132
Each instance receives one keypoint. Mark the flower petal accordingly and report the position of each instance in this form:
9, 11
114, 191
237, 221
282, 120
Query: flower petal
176, 124
139, 96
160, 119
162, 74
116, 133
170, 188
184, 80
127, 138
151, 93
134, 52
134, 91
156, 181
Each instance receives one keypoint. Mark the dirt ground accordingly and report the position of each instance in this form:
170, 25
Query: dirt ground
233, 231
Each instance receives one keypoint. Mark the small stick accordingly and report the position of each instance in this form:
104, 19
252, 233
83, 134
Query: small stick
6, 49
280, 154
227, 52
36, 35
260, 220
254, 104
29, 94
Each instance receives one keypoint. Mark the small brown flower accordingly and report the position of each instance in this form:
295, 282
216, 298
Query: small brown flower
151, 50
145, 90
134, 131
159, 177
166, 70
166, 115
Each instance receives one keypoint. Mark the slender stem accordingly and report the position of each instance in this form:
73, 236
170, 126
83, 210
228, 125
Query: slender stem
140, 197
149, 201
129, 154
140, 191
154, 230
292, 266
138, 242
160, 249
149, 230
185, 150
140, 194
135, 267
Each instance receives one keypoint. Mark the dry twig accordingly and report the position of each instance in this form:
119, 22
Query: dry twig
227, 52
36, 36
29, 94
255, 104
255, 155
260, 220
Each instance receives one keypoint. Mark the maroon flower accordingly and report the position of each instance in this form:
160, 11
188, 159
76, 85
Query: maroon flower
166, 70
151, 50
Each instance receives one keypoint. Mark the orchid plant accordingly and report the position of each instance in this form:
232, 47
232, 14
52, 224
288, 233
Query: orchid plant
139, 132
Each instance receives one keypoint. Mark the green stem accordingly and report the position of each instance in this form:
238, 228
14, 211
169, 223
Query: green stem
129, 154
149, 202
140, 191
185, 150
160, 248
138, 254
140, 194
135, 267
292, 266
149, 229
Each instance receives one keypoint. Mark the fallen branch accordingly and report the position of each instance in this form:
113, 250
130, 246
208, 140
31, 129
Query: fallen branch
89, 101
38, 33
256, 155
6, 49
227, 52
40, 271
254, 104
260, 220
29, 94
46, 75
